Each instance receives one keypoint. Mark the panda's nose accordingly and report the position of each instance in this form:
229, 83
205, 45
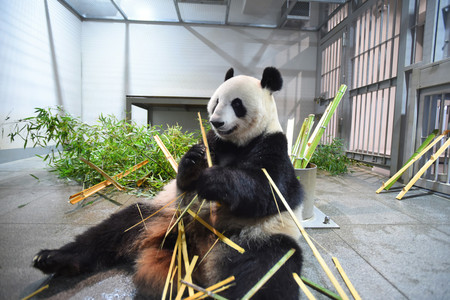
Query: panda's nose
217, 124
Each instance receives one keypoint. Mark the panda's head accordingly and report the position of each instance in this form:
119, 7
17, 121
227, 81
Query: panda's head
243, 107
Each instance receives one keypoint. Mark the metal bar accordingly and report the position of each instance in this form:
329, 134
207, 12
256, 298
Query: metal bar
124, 15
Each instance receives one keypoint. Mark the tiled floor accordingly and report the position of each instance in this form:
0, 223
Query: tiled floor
390, 249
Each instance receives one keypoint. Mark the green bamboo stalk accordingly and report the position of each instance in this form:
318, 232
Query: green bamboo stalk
320, 128
424, 144
296, 147
321, 289
304, 142
268, 275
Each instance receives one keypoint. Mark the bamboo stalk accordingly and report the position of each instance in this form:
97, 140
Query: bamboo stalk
406, 166
213, 230
75, 198
303, 287
320, 128
103, 173
423, 169
308, 240
295, 149
424, 144
346, 279
268, 275
321, 289
212, 288
300, 155
166, 152
205, 141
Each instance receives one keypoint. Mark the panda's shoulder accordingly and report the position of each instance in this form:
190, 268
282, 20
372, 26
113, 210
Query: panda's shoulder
271, 142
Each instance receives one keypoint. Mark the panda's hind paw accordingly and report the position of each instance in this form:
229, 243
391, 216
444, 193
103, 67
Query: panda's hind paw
54, 262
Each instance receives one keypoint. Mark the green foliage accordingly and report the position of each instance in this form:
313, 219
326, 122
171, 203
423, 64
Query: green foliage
111, 144
332, 158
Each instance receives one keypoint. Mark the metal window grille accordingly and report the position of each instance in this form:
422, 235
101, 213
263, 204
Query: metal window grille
330, 82
374, 70
338, 16
434, 113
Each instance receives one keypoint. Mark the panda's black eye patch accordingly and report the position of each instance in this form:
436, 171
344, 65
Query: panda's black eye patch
239, 108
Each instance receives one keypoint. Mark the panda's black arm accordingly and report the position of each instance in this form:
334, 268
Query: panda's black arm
243, 186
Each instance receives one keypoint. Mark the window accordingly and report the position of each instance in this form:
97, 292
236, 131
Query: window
442, 47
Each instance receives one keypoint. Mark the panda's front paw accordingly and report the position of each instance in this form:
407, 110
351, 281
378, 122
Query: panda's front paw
191, 166
195, 155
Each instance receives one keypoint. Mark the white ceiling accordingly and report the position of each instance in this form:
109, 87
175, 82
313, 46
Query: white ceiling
293, 14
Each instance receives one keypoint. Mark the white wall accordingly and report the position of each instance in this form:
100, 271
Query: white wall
183, 60
40, 60
49, 57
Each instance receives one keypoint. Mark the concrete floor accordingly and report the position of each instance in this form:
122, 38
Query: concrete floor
389, 249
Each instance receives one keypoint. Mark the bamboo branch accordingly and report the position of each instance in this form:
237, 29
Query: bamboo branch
423, 169
308, 240
75, 198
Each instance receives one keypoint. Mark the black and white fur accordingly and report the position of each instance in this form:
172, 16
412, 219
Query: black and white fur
246, 137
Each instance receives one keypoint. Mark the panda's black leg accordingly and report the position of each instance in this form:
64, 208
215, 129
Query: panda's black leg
250, 267
103, 245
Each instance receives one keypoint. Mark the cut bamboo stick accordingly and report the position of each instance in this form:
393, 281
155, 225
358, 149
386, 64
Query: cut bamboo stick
36, 292
213, 230
406, 166
308, 240
321, 289
346, 279
103, 173
205, 141
303, 287
75, 198
187, 278
423, 169
421, 147
143, 220
166, 152
200, 289
268, 275
212, 288
322, 125
172, 263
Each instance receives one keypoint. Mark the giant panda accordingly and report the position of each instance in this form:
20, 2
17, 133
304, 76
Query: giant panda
246, 136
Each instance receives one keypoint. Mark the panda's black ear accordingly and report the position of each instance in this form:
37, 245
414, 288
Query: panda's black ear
271, 79
230, 73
